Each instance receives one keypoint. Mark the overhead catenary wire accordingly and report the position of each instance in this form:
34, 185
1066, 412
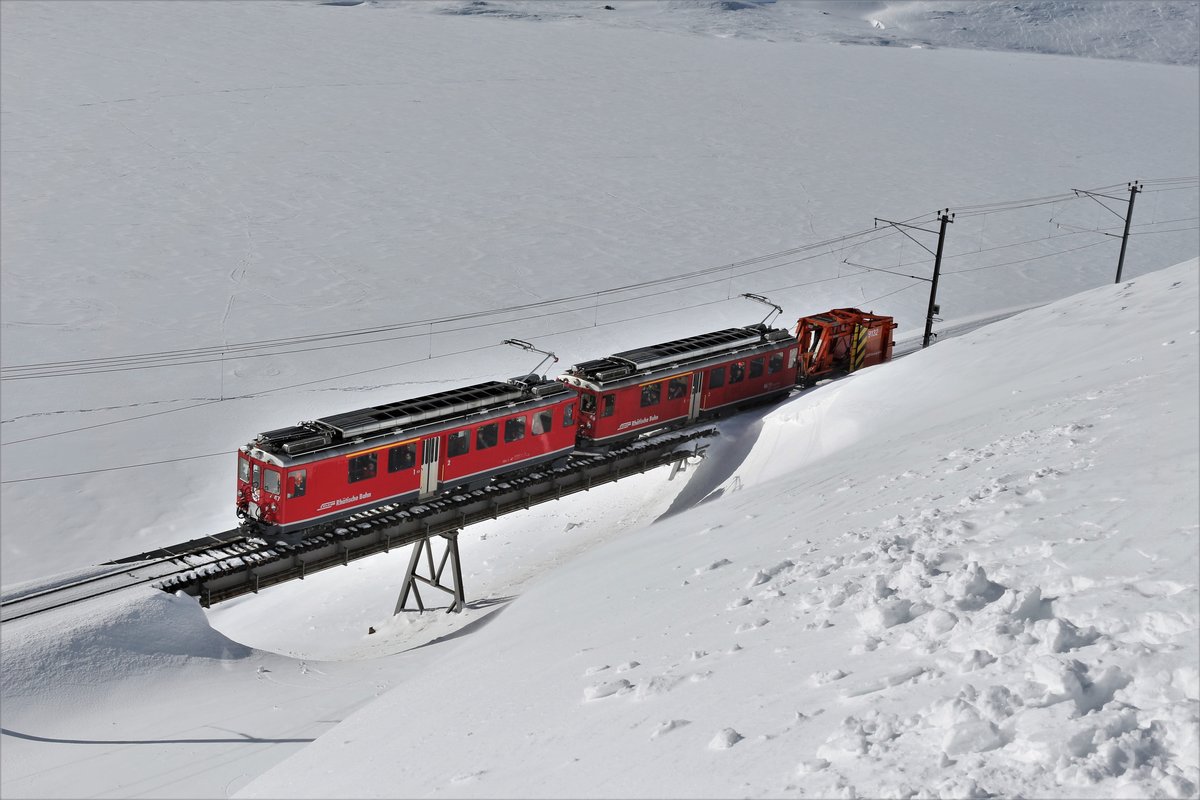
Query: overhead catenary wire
238, 348
251, 395
1031, 258
246, 349
117, 469
66, 372
230, 452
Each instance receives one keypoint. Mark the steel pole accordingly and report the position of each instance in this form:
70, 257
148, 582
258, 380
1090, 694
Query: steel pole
1133, 191
937, 271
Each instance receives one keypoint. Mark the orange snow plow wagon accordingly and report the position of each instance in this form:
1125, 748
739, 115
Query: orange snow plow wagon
840, 341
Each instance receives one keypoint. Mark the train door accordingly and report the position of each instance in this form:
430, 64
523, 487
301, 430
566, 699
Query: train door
431, 458
694, 400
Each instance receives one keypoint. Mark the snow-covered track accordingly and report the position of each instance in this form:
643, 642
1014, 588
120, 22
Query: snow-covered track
146, 568
229, 564
381, 529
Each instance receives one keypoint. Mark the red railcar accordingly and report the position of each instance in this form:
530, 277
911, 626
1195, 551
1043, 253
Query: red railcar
667, 384
295, 477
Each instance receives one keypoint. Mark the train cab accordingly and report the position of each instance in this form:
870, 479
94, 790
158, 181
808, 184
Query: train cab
296, 477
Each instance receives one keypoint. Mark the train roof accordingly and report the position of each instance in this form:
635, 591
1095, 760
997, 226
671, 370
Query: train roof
405, 415
688, 351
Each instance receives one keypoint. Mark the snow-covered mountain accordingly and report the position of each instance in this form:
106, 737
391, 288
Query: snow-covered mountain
970, 572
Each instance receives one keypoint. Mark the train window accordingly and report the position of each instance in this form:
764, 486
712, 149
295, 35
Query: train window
716, 378
610, 405
487, 436
775, 363
402, 456
270, 481
542, 421
297, 483
756, 368
363, 467
458, 443
569, 413
651, 393
737, 371
514, 429
587, 404
256, 481
243, 469
677, 388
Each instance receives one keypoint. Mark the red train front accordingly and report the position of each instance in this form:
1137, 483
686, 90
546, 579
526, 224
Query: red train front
295, 477
679, 381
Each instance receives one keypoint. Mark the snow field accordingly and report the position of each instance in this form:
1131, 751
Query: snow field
971, 572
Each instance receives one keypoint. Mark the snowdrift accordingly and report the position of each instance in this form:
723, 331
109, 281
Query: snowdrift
986, 586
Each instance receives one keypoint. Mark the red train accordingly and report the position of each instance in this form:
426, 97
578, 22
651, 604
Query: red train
293, 478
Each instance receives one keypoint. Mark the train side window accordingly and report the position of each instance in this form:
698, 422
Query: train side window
587, 404
651, 393
609, 405
487, 436
362, 468
458, 444
569, 414
402, 456
297, 482
243, 470
514, 429
775, 363
737, 371
756, 367
542, 421
677, 388
271, 481
716, 378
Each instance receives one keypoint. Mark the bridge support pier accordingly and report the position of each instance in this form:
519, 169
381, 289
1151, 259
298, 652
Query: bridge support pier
424, 547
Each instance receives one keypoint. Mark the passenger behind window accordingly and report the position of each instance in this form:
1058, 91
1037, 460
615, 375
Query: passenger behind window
651, 394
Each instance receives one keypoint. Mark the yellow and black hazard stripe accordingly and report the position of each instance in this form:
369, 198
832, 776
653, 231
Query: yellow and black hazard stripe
858, 348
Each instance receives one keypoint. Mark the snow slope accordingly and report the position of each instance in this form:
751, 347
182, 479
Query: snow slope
994, 597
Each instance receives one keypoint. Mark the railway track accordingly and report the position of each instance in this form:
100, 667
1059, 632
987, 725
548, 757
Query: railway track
127, 573
230, 564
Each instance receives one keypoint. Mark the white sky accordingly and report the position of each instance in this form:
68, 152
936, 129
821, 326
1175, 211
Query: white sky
186, 174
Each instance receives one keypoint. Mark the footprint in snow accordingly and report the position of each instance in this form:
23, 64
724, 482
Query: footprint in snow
811, 765
667, 727
750, 626
829, 676
607, 689
724, 562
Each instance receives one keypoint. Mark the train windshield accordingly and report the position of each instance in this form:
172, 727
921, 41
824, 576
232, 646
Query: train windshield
270, 481
243, 469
